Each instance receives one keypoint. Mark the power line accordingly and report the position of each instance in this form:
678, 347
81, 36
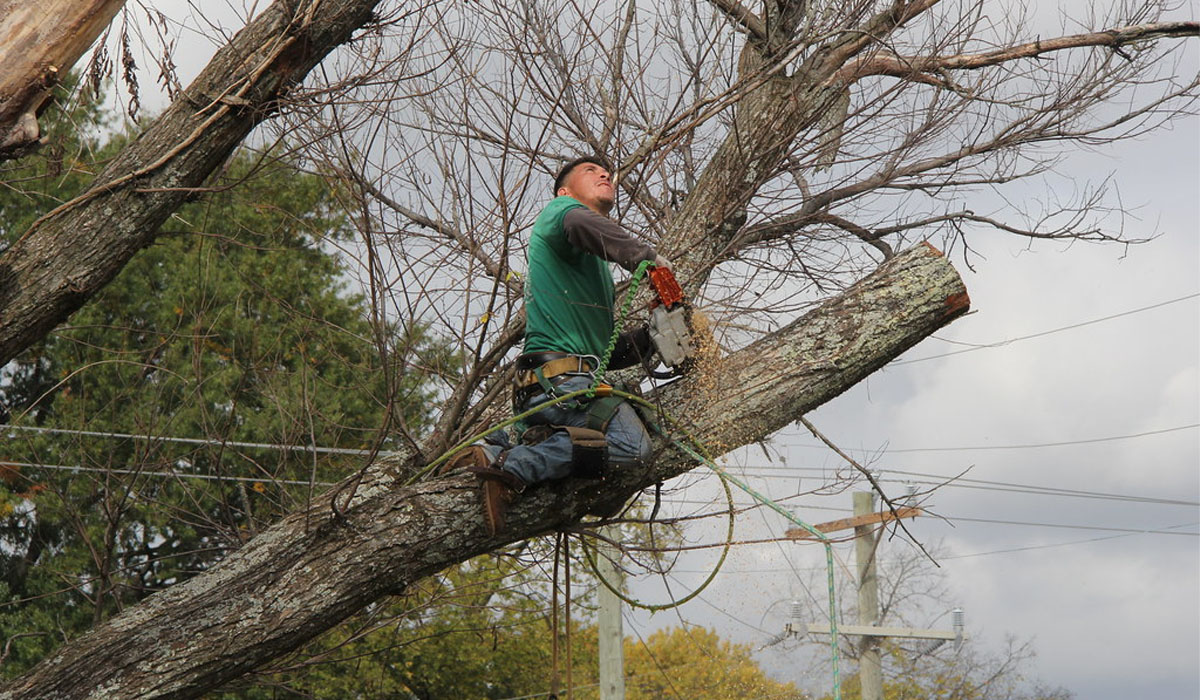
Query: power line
953, 481
204, 441
1044, 333
170, 475
1094, 528
1000, 486
1029, 446
1045, 546
1087, 441
965, 482
997, 487
955, 519
794, 571
291, 482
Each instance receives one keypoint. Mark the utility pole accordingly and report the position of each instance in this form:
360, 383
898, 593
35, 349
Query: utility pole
866, 540
612, 664
870, 673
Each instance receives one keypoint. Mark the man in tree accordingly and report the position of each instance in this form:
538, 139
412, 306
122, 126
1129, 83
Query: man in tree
569, 302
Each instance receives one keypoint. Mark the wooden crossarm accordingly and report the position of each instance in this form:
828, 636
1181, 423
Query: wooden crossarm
797, 533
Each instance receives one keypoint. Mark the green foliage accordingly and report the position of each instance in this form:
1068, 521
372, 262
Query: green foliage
480, 630
696, 663
234, 327
31, 186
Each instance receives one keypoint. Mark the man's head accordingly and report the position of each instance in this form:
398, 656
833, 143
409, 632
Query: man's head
587, 179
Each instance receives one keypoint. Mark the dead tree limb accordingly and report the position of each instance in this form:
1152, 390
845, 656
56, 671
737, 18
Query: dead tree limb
39, 42
924, 67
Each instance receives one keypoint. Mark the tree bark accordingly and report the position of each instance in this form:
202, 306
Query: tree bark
314, 568
75, 250
39, 42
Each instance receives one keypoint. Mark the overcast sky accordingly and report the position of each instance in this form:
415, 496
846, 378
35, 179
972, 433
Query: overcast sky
1113, 613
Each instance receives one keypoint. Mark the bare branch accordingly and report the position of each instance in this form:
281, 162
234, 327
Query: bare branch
927, 68
464, 242
743, 17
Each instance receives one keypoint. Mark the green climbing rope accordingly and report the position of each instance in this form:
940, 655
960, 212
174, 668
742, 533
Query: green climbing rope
634, 283
587, 553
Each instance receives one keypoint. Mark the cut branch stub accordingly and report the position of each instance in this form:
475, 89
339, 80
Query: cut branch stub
41, 41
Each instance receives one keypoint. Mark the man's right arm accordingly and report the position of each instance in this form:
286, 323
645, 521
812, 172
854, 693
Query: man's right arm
601, 236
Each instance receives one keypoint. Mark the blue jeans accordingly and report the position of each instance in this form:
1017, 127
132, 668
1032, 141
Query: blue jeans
628, 440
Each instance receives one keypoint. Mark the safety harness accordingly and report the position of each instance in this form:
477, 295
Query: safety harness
589, 447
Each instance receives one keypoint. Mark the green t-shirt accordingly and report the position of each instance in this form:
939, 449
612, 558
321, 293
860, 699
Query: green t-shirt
568, 293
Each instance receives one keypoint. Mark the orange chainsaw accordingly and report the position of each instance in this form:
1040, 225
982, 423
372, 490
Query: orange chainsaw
670, 325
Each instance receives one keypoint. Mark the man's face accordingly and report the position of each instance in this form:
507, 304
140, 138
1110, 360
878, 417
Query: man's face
591, 185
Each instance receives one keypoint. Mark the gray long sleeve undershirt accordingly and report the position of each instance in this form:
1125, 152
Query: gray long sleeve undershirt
601, 236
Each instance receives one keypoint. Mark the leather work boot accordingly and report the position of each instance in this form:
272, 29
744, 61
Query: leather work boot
472, 456
497, 488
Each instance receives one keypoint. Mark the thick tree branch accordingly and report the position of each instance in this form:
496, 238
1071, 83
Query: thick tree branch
69, 255
768, 119
313, 569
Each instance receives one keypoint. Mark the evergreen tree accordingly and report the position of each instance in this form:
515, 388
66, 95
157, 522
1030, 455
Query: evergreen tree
129, 461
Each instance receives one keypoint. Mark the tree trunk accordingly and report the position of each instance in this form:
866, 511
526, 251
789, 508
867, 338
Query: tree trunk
314, 568
39, 42
75, 250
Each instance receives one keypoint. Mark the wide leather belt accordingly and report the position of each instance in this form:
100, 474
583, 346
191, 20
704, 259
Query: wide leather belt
552, 364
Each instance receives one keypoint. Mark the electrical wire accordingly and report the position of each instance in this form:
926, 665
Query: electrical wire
1060, 329
967, 482
201, 441
1038, 445
1047, 546
1094, 528
984, 448
169, 475
954, 519
792, 570
292, 482
390, 453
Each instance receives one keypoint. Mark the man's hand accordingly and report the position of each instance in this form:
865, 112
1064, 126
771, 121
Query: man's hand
660, 261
